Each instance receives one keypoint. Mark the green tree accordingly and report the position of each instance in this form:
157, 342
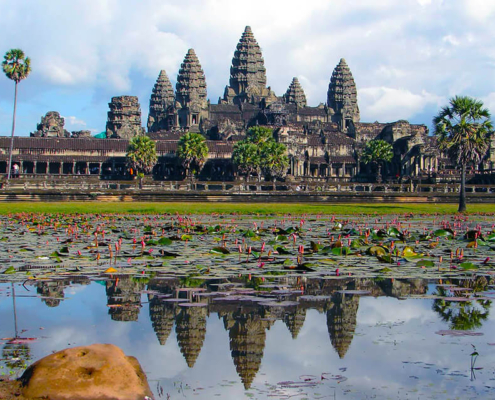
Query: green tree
247, 158
463, 129
377, 152
274, 160
259, 135
192, 151
16, 67
141, 154
260, 153
464, 315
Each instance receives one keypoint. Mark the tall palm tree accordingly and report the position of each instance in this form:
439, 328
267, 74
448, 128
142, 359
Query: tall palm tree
141, 154
463, 129
193, 151
377, 152
247, 158
17, 67
274, 159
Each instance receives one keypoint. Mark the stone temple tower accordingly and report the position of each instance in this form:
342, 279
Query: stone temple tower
342, 96
162, 98
247, 73
295, 94
190, 93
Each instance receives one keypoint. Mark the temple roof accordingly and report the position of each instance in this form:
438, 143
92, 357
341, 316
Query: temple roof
312, 111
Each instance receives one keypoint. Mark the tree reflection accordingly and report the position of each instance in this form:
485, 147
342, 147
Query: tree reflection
15, 355
462, 315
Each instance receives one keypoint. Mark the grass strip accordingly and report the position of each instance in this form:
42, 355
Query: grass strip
237, 208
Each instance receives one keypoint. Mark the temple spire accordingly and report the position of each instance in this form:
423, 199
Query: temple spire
162, 97
247, 73
342, 95
295, 94
190, 95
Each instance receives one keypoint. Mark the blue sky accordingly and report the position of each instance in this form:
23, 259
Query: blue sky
408, 57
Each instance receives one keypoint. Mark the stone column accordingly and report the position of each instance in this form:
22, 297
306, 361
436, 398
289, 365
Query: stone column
343, 169
99, 168
35, 167
87, 168
73, 167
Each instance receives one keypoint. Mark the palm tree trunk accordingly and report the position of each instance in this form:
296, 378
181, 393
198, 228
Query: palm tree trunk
12, 135
462, 194
15, 313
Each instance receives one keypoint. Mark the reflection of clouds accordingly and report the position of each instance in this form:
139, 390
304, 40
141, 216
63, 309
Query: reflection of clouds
75, 289
376, 365
381, 310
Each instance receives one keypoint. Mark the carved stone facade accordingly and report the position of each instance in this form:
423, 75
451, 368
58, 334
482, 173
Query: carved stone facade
295, 94
247, 73
124, 118
51, 125
323, 142
342, 96
190, 98
161, 105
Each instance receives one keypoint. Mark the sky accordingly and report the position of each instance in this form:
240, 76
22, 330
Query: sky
408, 57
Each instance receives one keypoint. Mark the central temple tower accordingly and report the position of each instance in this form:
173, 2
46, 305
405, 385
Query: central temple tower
247, 73
342, 96
190, 93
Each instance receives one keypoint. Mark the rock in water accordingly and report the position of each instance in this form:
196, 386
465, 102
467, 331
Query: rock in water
98, 371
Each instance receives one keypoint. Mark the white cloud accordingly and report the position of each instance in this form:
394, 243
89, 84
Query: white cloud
489, 102
451, 39
74, 121
105, 48
390, 104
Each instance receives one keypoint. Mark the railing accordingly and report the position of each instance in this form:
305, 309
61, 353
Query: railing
93, 183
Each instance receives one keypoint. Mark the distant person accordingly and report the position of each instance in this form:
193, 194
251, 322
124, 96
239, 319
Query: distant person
16, 171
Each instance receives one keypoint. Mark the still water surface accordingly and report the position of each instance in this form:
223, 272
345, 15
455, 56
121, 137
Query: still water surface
283, 338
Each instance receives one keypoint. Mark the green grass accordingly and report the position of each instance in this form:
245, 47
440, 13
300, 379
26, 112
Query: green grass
239, 208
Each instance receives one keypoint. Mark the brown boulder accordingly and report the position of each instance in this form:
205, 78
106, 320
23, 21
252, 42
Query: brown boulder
96, 372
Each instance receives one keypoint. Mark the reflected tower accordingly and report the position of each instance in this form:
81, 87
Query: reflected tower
191, 332
247, 333
341, 321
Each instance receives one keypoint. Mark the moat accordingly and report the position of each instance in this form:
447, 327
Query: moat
232, 306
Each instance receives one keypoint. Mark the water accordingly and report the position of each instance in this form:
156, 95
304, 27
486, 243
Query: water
281, 337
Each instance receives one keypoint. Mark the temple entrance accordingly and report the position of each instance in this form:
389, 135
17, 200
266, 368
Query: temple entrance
68, 168
41, 167
54, 168
94, 168
28, 167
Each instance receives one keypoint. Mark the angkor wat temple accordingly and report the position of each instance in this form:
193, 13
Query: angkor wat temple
323, 142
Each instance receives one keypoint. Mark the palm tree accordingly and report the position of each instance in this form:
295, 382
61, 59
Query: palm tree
193, 151
247, 158
463, 129
259, 135
17, 67
259, 152
377, 152
466, 315
274, 160
141, 155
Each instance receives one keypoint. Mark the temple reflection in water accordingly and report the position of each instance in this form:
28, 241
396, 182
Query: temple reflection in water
248, 308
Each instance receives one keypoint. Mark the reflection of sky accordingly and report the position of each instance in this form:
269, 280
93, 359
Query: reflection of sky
394, 353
